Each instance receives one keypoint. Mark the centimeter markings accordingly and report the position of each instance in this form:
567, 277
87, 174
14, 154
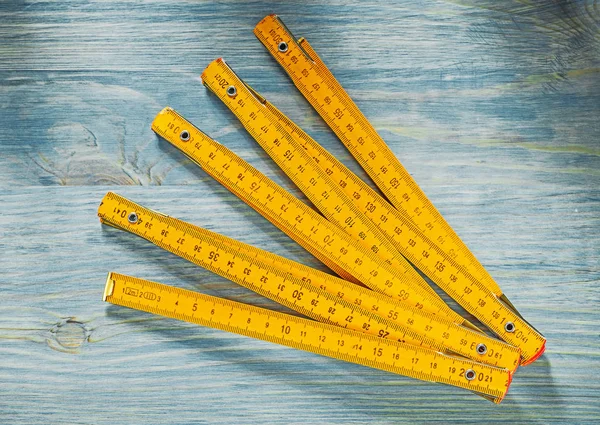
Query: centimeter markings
356, 132
476, 296
403, 233
314, 182
272, 134
169, 124
432, 261
418, 327
440, 333
432, 224
294, 217
229, 260
283, 225
244, 265
319, 338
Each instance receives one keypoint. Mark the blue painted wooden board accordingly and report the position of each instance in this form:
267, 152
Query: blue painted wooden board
493, 106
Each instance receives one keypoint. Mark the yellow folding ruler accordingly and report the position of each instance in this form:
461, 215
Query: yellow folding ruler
398, 322
425, 238
320, 338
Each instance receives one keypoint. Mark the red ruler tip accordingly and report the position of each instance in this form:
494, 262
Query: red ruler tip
510, 378
536, 356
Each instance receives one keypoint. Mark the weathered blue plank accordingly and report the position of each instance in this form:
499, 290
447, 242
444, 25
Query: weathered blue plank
493, 106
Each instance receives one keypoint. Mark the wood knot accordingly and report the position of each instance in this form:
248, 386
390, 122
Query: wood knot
68, 336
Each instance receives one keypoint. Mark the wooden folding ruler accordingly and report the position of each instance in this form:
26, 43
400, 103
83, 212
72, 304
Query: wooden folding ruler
399, 324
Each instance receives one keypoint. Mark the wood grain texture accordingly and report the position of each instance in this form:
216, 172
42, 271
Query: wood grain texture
493, 106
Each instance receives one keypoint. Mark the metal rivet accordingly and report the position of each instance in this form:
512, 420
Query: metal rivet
509, 327
231, 91
132, 218
470, 374
184, 136
481, 349
282, 46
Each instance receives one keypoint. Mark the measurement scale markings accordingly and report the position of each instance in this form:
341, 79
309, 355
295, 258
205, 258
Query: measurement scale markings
403, 323
323, 236
316, 184
319, 338
219, 258
374, 155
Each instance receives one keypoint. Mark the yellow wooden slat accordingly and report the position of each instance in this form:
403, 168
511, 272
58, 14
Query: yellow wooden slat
320, 338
